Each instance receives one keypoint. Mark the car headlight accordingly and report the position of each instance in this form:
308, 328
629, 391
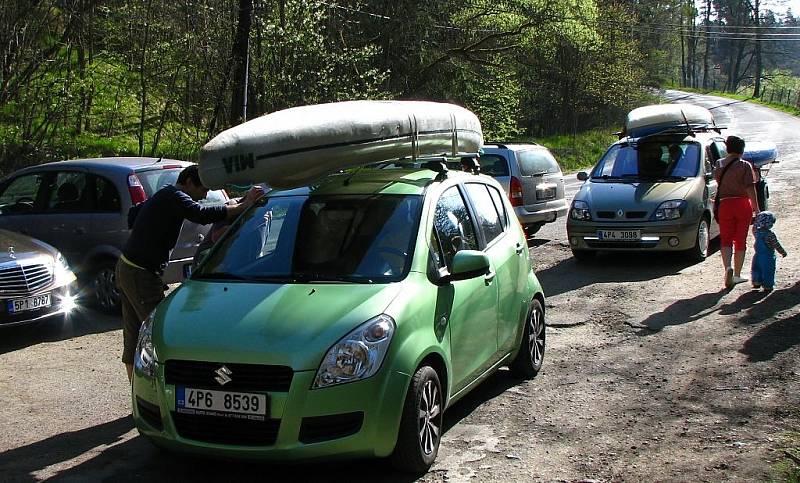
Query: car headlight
669, 210
358, 355
144, 359
580, 211
61, 271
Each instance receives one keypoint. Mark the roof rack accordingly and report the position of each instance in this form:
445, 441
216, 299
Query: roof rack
688, 129
504, 145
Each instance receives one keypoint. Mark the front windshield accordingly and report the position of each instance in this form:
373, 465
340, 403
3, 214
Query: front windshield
649, 160
344, 238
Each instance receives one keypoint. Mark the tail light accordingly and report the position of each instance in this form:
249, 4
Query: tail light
515, 192
136, 189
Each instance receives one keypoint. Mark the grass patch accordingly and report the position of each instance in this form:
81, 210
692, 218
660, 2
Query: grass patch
788, 467
743, 97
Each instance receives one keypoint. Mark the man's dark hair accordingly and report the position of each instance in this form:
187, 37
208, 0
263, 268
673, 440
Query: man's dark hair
734, 144
190, 172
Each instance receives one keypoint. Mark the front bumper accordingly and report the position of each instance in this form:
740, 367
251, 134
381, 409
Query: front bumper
359, 419
655, 236
57, 308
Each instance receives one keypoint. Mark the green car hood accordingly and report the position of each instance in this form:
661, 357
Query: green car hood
645, 196
282, 324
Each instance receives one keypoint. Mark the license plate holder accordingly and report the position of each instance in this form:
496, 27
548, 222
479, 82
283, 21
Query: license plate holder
29, 303
227, 404
619, 235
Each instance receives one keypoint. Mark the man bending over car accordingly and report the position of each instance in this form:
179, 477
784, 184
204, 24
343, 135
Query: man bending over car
154, 233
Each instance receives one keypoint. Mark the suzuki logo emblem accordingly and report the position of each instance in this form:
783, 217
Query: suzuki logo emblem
223, 375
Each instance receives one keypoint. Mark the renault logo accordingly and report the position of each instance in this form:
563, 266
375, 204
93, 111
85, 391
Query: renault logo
223, 375
11, 253
620, 213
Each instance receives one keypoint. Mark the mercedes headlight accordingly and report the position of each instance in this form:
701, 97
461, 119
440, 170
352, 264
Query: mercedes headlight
358, 355
144, 359
669, 210
580, 211
61, 271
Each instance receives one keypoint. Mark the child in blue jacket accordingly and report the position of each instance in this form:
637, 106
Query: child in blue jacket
766, 244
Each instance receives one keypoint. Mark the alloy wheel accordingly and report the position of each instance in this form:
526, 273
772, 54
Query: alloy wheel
430, 417
105, 289
536, 335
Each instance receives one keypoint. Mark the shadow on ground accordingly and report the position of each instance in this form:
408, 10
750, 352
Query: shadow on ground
570, 274
81, 322
119, 459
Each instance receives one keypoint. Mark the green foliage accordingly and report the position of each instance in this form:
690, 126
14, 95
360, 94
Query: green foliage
579, 151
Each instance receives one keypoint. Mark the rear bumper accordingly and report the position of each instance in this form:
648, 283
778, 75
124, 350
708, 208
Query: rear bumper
540, 213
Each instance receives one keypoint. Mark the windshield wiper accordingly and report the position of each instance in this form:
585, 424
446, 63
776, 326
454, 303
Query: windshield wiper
218, 276
318, 277
606, 176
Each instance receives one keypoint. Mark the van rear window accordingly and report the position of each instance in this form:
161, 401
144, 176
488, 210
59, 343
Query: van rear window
537, 162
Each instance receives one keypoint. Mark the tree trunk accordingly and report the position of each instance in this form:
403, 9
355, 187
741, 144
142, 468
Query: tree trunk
707, 52
759, 67
240, 58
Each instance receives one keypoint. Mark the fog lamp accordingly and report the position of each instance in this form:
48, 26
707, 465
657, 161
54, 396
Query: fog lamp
673, 241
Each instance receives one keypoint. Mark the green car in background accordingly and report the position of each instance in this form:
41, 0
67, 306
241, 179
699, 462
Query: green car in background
341, 319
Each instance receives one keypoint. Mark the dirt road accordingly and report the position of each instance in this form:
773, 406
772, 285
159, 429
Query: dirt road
652, 372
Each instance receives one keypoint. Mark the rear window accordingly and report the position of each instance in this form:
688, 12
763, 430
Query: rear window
537, 162
155, 179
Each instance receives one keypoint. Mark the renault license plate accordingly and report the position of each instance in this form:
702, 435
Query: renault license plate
30, 303
207, 402
619, 235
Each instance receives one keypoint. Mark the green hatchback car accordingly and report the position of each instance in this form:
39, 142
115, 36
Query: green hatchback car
341, 320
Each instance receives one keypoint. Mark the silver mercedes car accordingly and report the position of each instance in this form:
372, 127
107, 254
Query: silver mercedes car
35, 280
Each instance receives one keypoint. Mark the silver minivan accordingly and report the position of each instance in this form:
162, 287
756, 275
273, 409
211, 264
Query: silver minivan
81, 208
531, 177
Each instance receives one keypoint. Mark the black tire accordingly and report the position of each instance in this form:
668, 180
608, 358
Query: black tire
699, 252
104, 289
421, 425
531, 230
584, 255
530, 356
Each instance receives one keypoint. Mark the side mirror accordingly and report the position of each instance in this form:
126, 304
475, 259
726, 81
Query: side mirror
583, 176
468, 264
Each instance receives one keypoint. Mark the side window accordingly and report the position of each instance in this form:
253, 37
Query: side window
493, 165
488, 219
718, 151
497, 198
20, 195
69, 194
453, 225
106, 195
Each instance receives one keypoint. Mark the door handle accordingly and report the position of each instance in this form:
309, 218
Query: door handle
489, 276
518, 248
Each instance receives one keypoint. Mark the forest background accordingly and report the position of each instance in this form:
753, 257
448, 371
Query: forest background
84, 78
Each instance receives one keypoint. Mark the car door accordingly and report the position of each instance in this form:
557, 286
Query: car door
507, 252
65, 220
21, 200
472, 310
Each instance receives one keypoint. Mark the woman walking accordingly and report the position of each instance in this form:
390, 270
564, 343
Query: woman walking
738, 205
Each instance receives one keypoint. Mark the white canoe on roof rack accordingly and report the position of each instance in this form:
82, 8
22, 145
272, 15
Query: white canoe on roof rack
648, 120
293, 147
